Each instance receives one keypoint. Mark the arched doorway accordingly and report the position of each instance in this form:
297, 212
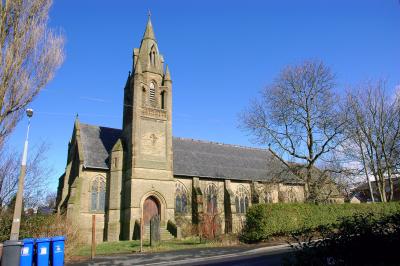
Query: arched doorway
151, 208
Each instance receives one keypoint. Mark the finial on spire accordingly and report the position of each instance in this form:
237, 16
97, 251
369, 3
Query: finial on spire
149, 33
149, 13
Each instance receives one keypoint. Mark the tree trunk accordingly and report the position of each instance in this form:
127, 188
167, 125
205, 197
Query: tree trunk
366, 172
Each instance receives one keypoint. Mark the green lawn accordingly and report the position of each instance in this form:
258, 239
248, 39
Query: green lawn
107, 248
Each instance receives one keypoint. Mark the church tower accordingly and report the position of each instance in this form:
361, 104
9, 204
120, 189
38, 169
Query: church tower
147, 176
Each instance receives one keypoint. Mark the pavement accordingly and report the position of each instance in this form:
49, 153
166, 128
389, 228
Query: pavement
239, 256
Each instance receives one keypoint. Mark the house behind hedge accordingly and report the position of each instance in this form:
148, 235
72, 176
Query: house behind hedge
141, 170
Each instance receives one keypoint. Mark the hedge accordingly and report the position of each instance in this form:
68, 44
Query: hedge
362, 239
282, 219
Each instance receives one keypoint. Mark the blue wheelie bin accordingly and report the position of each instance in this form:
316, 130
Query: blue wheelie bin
27, 252
42, 251
57, 251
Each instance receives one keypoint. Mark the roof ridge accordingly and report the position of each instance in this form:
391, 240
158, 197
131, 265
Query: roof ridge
99, 126
196, 140
221, 143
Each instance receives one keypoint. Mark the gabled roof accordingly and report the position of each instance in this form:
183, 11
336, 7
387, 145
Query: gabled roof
194, 157
217, 160
97, 143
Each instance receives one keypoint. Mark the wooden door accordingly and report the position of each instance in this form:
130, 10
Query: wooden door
150, 209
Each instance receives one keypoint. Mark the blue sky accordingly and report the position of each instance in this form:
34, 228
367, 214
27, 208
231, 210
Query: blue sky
220, 53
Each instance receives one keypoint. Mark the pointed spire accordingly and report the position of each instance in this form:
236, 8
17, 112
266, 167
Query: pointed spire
138, 67
149, 33
167, 75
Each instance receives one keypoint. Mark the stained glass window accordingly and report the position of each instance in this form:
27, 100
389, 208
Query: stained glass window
241, 200
98, 194
212, 198
180, 198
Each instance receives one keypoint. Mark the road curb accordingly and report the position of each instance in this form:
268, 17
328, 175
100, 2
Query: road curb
225, 256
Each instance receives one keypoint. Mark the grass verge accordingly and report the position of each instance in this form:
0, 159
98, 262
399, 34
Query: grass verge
109, 248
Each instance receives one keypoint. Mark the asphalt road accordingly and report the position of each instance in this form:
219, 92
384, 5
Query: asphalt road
270, 256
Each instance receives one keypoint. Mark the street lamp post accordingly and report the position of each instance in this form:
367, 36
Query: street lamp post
20, 193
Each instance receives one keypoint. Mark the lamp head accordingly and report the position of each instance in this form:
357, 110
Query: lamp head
29, 112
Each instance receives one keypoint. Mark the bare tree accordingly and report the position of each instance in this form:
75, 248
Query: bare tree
375, 129
298, 117
50, 201
37, 176
29, 56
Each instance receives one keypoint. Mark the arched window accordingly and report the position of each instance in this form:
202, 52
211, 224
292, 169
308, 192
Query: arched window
152, 55
211, 195
162, 99
241, 200
268, 197
181, 198
292, 196
98, 194
152, 94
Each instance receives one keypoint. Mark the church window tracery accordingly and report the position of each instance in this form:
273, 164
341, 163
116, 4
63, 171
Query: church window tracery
268, 197
181, 198
98, 194
211, 194
291, 196
241, 200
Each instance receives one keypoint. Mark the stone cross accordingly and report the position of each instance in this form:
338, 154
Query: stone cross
153, 138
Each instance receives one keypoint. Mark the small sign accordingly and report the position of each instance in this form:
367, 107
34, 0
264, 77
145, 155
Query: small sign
43, 251
58, 249
25, 251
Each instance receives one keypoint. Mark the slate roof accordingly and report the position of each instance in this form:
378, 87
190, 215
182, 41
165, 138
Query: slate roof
194, 157
97, 143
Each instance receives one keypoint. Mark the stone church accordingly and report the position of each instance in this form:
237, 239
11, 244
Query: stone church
140, 171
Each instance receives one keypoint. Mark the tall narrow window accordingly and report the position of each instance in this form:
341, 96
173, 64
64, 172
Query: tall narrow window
98, 194
163, 100
291, 196
212, 199
94, 198
180, 198
268, 197
152, 55
241, 200
102, 196
152, 94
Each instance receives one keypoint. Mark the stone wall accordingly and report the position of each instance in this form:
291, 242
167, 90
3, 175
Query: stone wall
82, 213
